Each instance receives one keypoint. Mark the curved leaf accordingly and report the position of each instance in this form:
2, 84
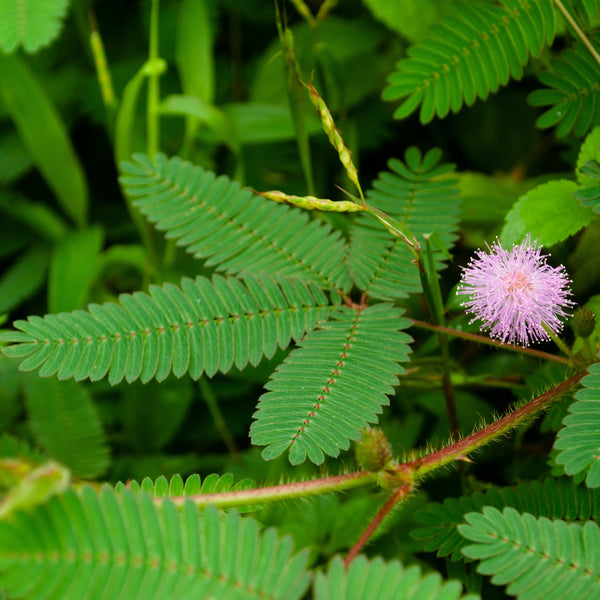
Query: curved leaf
333, 385
538, 559
579, 439
91, 545
554, 498
45, 136
419, 194
30, 23
470, 55
232, 228
200, 327
378, 580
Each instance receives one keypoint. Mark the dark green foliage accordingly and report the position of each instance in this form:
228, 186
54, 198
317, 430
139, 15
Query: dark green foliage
538, 559
422, 195
579, 439
200, 327
333, 385
235, 230
554, 498
470, 55
66, 425
85, 547
572, 92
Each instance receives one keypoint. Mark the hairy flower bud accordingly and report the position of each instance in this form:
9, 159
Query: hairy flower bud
373, 451
583, 322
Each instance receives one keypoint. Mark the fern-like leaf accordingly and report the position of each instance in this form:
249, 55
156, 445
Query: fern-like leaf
421, 195
470, 55
579, 439
108, 545
554, 498
539, 559
333, 385
378, 580
232, 228
65, 423
200, 327
573, 92
30, 23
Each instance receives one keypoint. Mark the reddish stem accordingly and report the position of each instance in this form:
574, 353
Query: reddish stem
398, 495
490, 342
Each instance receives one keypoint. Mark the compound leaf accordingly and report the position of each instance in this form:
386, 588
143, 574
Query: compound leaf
333, 385
420, 194
537, 559
100, 545
199, 327
579, 439
232, 228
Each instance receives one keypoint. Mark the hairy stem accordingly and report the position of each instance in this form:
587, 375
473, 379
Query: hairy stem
399, 494
490, 342
286, 491
459, 450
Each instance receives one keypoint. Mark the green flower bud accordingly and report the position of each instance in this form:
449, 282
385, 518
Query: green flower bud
583, 322
373, 451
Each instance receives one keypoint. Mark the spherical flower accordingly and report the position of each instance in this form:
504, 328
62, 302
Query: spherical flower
515, 292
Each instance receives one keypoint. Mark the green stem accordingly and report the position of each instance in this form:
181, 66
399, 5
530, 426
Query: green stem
562, 346
585, 40
152, 116
480, 339
217, 417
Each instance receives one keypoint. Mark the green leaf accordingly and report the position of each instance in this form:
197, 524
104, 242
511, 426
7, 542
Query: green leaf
194, 55
332, 385
590, 150
469, 55
23, 278
65, 423
421, 195
45, 136
256, 123
30, 23
105, 544
552, 498
537, 559
377, 580
579, 439
410, 18
200, 327
549, 212
14, 158
572, 91
233, 229
73, 269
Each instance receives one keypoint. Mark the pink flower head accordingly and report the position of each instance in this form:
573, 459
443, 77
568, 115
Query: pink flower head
514, 291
